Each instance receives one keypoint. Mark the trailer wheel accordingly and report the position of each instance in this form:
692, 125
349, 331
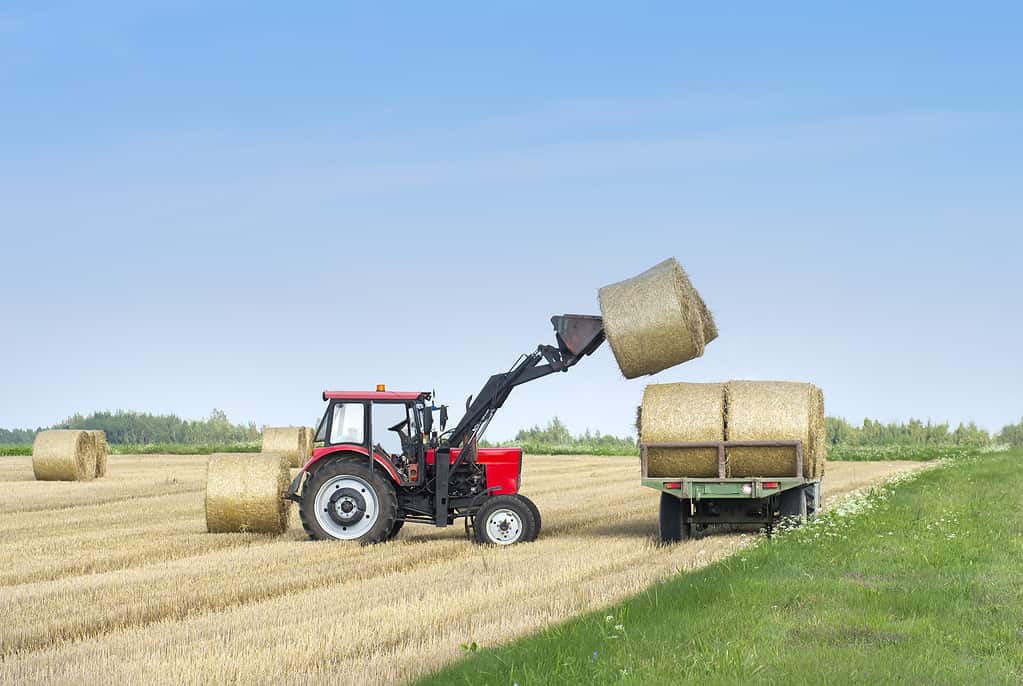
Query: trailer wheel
504, 520
347, 501
671, 528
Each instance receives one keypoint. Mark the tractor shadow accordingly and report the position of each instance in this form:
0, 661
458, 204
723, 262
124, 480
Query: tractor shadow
630, 529
648, 530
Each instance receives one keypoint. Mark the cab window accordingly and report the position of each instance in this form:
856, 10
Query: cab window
348, 423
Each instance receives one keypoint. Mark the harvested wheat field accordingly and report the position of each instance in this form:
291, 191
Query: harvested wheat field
117, 581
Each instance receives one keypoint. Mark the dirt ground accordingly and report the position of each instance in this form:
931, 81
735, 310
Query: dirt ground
116, 581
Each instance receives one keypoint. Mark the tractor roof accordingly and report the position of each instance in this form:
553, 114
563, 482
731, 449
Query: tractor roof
373, 395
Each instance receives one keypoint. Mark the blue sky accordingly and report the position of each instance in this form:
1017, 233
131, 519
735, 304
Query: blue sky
218, 205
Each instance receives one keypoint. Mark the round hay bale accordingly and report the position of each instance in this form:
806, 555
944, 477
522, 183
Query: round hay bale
310, 442
654, 320
675, 412
64, 455
99, 438
773, 411
710, 328
818, 433
244, 493
289, 441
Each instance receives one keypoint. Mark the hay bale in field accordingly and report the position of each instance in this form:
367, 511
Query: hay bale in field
310, 442
64, 455
676, 412
99, 439
769, 411
244, 493
655, 320
289, 441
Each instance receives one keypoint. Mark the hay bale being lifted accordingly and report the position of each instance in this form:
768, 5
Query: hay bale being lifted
655, 320
99, 439
289, 441
64, 455
774, 411
244, 493
677, 412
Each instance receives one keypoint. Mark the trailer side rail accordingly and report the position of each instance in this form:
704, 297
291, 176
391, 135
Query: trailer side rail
720, 446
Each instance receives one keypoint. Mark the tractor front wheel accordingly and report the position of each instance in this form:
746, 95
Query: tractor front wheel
536, 514
504, 520
348, 501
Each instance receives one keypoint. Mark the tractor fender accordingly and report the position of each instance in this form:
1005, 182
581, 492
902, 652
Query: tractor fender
350, 451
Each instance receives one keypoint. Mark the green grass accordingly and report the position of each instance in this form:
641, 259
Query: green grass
914, 583
156, 449
838, 453
573, 449
185, 448
871, 453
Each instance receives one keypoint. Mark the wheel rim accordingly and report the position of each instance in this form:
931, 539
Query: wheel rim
504, 526
346, 507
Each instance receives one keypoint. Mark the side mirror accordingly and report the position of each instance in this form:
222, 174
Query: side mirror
443, 417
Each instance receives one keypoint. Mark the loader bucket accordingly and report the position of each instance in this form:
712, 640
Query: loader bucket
578, 334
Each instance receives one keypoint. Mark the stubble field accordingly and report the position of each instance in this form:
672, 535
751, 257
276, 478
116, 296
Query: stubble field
117, 581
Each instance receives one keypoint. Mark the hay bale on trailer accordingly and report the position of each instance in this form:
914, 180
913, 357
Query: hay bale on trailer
64, 455
289, 441
655, 320
818, 433
244, 493
682, 412
99, 439
774, 411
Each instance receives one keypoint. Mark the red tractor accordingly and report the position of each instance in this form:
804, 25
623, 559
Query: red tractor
356, 489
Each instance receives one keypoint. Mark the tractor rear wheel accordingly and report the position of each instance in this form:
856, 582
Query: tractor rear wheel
504, 520
671, 527
348, 501
398, 523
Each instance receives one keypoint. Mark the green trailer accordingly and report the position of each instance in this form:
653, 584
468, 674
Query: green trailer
691, 504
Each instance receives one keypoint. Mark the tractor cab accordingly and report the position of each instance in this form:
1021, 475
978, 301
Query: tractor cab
398, 425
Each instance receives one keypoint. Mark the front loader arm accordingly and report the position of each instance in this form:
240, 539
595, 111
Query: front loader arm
577, 335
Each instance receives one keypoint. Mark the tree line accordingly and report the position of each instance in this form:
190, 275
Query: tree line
918, 433
143, 428
837, 430
555, 433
